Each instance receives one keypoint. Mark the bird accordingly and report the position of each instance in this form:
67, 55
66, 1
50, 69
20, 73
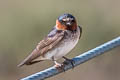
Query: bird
62, 38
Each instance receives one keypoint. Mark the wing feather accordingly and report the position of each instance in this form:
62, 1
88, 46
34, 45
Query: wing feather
43, 46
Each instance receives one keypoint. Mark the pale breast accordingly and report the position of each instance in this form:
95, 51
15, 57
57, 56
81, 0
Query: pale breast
65, 46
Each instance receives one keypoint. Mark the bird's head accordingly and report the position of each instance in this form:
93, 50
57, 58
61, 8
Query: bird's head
66, 22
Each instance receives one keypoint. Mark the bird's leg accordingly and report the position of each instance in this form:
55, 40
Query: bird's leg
59, 66
68, 61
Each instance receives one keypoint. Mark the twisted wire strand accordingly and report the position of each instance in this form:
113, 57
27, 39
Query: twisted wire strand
78, 60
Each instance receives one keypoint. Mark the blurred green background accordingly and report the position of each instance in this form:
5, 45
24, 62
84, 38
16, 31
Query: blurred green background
23, 23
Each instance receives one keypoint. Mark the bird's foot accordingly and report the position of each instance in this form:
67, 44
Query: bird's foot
59, 66
67, 61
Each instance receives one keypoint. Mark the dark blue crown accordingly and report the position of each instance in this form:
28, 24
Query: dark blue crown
65, 16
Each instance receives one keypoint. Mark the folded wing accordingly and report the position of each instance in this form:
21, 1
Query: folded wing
43, 46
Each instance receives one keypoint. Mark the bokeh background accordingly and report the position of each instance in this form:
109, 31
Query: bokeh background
23, 23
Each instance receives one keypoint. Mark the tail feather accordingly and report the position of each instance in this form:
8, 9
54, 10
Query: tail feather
30, 63
21, 64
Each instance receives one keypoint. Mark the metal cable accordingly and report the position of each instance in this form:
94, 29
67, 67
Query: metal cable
78, 60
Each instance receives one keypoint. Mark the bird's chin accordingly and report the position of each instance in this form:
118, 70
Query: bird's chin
68, 25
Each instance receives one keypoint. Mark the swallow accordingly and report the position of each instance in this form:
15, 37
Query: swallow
60, 41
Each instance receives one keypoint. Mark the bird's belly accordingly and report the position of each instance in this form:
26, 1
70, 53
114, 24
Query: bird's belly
65, 49
61, 50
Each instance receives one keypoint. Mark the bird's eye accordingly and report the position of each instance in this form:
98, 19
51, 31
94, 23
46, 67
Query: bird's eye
63, 22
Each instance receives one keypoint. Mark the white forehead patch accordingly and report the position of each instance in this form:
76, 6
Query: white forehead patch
67, 19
